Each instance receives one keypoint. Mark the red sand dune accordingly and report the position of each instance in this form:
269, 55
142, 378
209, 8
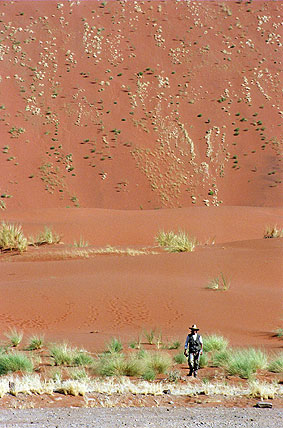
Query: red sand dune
118, 109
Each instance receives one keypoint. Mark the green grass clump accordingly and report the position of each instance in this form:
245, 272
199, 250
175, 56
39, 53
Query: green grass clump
114, 346
15, 362
180, 358
63, 355
111, 364
276, 364
150, 336
158, 361
12, 238
203, 360
35, 342
220, 358
15, 337
246, 362
82, 358
149, 374
214, 343
176, 242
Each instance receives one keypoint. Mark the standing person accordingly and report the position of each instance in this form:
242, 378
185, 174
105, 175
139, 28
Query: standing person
193, 349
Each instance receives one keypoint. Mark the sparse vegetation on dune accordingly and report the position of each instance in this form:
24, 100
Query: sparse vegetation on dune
77, 371
176, 242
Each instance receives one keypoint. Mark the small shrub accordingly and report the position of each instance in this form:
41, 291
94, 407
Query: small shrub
47, 237
12, 238
35, 342
78, 374
62, 354
159, 362
273, 232
15, 362
82, 358
15, 337
111, 364
180, 358
219, 283
114, 346
246, 362
279, 332
276, 364
149, 374
214, 343
220, 358
174, 345
176, 242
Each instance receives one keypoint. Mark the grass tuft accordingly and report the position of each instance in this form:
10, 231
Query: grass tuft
114, 346
12, 238
15, 337
47, 237
180, 358
214, 343
35, 342
276, 364
14, 362
176, 242
219, 283
246, 362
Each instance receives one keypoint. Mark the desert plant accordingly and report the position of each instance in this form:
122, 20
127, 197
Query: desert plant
35, 342
15, 337
111, 364
214, 343
150, 336
273, 232
220, 358
180, 358
276, 364
62, 354
47, 237
114, 346
82, 358
203, 360
81, 243
15, 362
12, 238
149, 374
246, 362
176, 242
219, 283
158, 361
78, 374
279, 332
262, 390
174, 345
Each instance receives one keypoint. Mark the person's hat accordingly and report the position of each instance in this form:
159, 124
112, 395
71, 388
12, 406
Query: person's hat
194, 327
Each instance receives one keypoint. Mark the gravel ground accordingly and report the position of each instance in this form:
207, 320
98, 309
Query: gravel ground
142, 418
